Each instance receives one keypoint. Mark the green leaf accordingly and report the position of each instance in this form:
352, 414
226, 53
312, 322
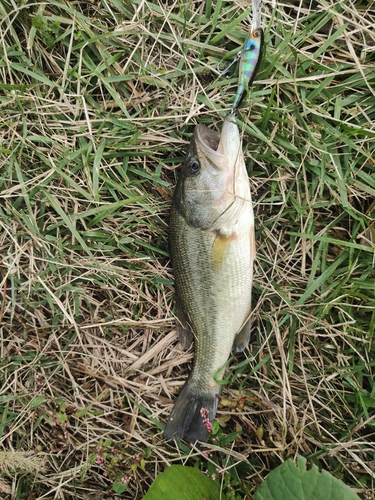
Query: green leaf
290, 482
37, 401
183, 483
119, 488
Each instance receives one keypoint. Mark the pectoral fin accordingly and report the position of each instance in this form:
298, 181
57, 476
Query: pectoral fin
242, 339
219, 250
184, 332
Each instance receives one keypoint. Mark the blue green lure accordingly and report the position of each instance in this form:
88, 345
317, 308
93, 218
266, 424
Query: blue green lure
251, 56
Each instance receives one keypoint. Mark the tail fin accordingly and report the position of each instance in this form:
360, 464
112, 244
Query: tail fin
186, 419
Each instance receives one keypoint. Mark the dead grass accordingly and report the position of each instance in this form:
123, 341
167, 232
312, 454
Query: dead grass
98, 101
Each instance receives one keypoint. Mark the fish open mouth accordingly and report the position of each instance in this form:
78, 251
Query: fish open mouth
208, 139
220, 149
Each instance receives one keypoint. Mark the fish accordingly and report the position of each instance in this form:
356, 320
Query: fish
212, 246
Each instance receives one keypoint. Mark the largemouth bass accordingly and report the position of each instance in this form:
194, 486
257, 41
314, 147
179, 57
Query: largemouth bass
212, 248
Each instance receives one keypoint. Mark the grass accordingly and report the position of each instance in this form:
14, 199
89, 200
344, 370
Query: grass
98, 102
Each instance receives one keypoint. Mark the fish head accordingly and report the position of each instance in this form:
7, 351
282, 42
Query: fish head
213, 184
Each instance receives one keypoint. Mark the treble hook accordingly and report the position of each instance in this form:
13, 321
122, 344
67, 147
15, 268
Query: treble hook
225, 70
257, 9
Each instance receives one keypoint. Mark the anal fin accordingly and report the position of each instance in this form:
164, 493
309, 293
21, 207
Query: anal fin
242, 339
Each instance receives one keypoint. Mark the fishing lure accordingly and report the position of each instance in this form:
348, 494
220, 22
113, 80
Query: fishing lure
250, 56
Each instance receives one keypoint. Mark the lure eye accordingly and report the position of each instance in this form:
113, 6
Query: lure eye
194, 167
256, 33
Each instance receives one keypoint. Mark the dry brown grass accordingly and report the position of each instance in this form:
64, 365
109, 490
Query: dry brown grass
97, 103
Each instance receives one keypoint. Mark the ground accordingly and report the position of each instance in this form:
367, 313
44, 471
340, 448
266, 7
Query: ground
98, 102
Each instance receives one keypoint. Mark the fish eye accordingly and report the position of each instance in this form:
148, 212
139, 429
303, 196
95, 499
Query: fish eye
194, 167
